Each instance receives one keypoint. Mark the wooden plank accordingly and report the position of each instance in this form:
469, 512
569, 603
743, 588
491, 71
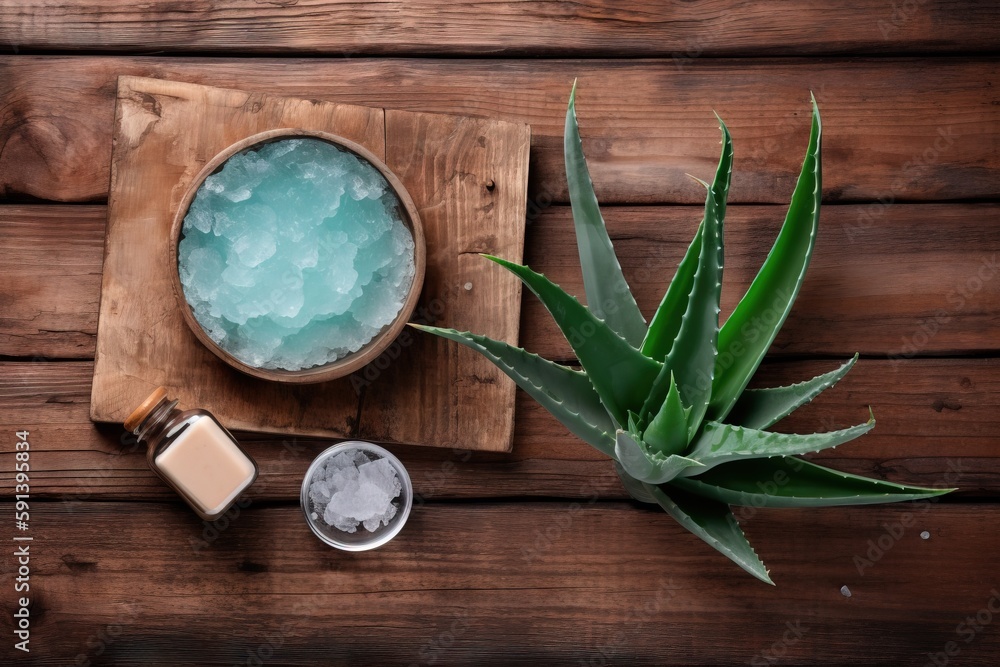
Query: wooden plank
898, 129
50, 297
469, 180
165, 133
145, 342
498, 27
898, 281
915, 267
936, 418
533, 583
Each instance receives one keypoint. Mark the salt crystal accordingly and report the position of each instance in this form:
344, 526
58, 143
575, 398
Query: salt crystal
351, 490
295, 254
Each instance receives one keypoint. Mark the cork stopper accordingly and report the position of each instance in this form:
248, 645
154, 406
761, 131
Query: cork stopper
140, 413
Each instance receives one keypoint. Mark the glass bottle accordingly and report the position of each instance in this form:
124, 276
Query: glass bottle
193, 453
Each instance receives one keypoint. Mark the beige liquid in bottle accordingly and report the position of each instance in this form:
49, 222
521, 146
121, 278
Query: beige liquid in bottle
193, 453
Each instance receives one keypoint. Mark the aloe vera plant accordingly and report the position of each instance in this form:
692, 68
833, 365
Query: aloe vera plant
676, 415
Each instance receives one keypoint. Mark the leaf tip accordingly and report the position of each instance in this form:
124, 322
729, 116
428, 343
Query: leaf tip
571, 105
697, 180
722, 126
815, 111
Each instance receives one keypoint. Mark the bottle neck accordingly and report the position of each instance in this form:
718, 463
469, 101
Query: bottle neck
156, 420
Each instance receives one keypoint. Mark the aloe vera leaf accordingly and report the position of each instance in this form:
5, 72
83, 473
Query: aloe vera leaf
713, 522
620, 374
742, 340
667, 433
693, 353
760, 408
566, 393
635, 488
608, 294
633, 422
787, 481
645, 466
720, 443
666, 322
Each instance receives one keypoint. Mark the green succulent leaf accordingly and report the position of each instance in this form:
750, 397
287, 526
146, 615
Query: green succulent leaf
713, 522
563, 391
692, 356
608, 294
791, 482
620, 374
635, 488
743, 341
665, 325
720, 443
669, 403
666, 322
647, 466
667, 433
761, 408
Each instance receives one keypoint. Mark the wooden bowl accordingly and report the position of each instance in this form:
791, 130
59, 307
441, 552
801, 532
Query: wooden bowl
375, 347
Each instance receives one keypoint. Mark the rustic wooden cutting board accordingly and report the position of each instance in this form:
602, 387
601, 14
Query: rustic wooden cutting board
468, 178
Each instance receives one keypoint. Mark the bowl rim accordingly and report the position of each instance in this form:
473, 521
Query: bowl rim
377, 345
397, 522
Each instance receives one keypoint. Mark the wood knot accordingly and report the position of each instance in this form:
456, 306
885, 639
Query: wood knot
490, 185
941, 404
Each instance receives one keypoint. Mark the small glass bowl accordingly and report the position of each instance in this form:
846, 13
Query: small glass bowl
362, 540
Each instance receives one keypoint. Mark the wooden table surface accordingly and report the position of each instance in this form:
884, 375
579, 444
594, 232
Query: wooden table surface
537, 557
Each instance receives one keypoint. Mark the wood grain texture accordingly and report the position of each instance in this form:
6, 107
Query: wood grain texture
898, 129
508, 574
51, 294
936, 418
897, 281
921, 268
482, 584
495, 28
469, 181
167, 131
